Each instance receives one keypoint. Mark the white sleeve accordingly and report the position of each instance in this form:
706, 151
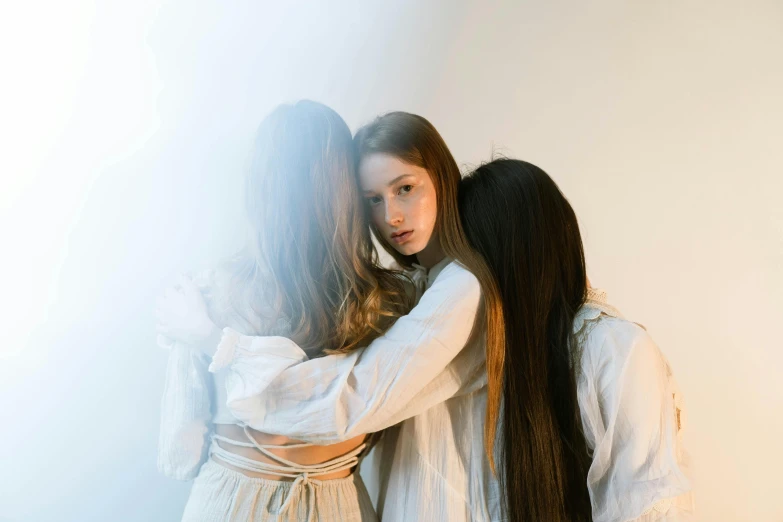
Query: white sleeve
639, 469
185, 414
273, 388
186, 406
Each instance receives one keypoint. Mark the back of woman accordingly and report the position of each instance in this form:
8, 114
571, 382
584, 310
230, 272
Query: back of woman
308, 272
591, 413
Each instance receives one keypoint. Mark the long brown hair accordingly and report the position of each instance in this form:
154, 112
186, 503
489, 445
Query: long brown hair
415, 141
516, 217
312, 264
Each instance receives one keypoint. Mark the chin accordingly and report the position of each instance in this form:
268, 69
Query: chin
408, 250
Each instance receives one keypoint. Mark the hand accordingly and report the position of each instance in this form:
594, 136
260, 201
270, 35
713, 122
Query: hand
182, 313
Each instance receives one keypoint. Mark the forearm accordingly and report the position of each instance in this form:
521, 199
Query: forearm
335, 398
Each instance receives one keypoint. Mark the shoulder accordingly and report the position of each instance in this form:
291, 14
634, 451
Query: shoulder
234, 295
454, 291
456, 275
456, 284
612, 344
629, 375
620, 335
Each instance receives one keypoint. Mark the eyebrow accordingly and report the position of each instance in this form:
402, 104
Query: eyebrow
392, 182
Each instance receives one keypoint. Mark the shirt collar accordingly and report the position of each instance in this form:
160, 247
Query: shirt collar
597, 295
433, 272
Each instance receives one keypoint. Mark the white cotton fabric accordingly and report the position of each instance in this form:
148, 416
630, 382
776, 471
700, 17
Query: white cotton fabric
425, 380
195, 399
632, 415
191, 402
185, 414
423, 371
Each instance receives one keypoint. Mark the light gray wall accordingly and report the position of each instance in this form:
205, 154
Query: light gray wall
129, 127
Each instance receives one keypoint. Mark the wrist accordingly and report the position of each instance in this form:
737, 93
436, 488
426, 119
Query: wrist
210, 338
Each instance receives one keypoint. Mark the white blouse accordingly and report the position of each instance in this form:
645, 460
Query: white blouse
632, 416
417, 372
425, 380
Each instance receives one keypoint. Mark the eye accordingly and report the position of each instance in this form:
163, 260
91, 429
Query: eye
405, 189
373, 200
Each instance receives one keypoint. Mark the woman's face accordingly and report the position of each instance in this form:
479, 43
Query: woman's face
402, 202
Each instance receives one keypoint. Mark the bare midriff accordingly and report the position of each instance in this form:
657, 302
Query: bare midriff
308, 455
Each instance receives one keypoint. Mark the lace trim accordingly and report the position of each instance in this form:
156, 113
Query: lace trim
596, 294
681, 504
595, 305
662, 506
591, 311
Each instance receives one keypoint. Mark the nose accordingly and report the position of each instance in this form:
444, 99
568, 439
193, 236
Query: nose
393, 215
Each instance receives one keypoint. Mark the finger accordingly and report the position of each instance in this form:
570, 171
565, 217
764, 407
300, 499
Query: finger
189, 288
164, 341
162, 308
161, 317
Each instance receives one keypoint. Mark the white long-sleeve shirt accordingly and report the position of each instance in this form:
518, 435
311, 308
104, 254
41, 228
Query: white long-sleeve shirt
632, 416
427, 375
426, 372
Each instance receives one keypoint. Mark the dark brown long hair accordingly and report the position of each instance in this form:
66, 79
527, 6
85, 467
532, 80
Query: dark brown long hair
515, 216
312, 262
415, 141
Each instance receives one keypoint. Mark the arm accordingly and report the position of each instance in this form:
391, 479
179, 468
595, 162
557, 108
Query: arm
186, 407
335, 398
639, 470
185, 413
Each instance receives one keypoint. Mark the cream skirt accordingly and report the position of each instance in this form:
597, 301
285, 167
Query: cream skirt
220, 494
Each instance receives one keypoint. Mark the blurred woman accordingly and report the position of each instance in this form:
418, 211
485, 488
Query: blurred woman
309, 272
425, 381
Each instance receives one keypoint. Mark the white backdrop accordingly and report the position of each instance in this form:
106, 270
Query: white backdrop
125, 130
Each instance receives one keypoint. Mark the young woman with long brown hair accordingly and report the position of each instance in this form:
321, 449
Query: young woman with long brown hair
435, 375
309, 272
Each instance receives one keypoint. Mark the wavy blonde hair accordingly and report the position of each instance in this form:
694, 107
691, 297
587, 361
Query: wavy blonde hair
311, 265
415, 141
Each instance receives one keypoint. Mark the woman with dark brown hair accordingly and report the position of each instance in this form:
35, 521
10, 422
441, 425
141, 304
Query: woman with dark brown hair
434, 376
592, 416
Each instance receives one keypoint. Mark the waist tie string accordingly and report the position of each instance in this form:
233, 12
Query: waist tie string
301, 473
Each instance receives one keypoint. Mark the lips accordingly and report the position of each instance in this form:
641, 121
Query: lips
401, 237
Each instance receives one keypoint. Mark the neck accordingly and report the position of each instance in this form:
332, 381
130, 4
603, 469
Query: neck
431, 255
